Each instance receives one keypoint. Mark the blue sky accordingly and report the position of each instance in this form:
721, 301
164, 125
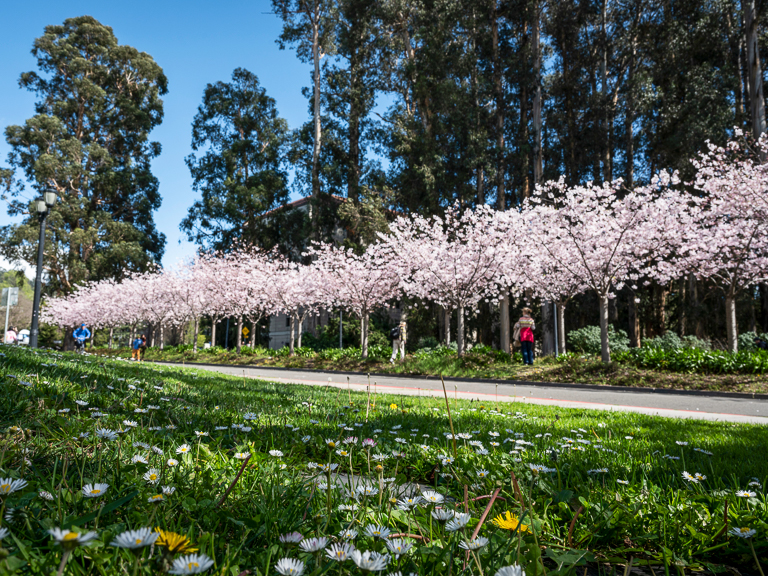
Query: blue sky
194, 42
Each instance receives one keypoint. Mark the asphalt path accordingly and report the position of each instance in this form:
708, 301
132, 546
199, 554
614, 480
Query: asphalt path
742, 409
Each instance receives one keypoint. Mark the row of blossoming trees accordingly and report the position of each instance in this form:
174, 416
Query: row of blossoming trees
564, 241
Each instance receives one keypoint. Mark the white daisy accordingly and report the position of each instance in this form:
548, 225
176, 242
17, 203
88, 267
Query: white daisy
94, 490
9, 486
191, 564
133, 539
312, 545
370, 561
339, 551
289, 567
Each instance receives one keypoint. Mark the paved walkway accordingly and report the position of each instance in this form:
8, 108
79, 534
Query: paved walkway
724, 409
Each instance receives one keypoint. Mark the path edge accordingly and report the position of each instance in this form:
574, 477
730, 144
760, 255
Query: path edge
542, 384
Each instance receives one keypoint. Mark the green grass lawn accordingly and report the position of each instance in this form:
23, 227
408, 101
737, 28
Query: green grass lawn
231, 464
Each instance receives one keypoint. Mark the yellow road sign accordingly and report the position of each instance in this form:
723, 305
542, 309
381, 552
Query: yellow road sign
245, 331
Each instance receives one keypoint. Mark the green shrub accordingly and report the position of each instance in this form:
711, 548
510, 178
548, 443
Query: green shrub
671, 341
747, 340
695, 360
303, 352
428, 342
587, 340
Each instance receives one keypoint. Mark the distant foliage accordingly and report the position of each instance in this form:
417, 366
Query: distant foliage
671, 341
587, 340
694, 360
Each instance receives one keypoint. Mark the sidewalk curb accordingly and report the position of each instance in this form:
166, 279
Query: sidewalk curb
607, 387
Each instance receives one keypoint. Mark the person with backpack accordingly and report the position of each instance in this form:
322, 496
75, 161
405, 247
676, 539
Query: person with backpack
398, 341
523, 333
136, 348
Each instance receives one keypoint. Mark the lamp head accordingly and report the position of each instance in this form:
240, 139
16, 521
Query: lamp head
40, 207
50, 197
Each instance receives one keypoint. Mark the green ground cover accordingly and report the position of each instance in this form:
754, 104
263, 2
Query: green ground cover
231, 465
690, 369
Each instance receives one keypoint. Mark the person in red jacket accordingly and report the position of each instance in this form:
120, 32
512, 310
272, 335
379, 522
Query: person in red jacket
524, 334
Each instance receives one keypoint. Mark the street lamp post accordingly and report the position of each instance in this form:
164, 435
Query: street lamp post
41, 207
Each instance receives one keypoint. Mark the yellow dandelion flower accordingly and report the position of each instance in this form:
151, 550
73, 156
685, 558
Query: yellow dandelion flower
175, 543
511, 522
393, 406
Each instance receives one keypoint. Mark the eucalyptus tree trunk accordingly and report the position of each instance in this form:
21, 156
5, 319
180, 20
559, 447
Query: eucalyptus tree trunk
536, 49
755, 72
315, 20
606, 117
605, 348
460, 330
731, 328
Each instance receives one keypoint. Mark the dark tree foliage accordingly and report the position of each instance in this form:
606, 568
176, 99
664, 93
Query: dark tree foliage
238, 167
97, 102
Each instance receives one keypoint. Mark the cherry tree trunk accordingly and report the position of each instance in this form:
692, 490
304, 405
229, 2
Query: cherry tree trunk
634, 321
293, 332
460, 330
299, 330
133, 334
111, 333
197, 328
730, 322
151, 338
253, 333
504, 342
605, 348
447, 317
561, 328
162, 337
364, 335
213, 331
239, 333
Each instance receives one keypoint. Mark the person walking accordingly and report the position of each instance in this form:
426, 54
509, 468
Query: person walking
523, 333
81, 335
142, 347
135, 348
11, 336
398, 341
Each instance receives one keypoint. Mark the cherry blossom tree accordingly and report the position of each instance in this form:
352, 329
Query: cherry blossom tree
729, 242
297, 291
595, 234
451, 261
358, 283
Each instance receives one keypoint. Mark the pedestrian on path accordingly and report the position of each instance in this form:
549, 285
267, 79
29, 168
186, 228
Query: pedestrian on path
11, 336
135, 348
398, 341
524, 334
142, 347
81, 335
